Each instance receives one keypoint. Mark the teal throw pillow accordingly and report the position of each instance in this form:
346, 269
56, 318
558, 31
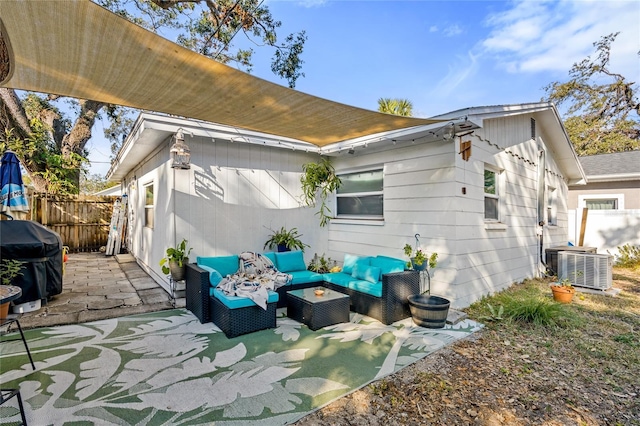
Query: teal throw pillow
214, 276
290, 261
226, 265
350, 260
366, 272
272, 257
388, 265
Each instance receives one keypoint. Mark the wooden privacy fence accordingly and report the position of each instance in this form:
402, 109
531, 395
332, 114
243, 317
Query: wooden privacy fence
82, 221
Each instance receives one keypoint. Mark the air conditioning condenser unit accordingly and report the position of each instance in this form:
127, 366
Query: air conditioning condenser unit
586, 269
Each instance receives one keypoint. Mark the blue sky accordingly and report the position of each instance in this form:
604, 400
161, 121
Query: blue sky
441, 55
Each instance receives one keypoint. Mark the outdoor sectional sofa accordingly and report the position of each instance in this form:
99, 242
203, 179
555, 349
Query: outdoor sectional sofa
378, 286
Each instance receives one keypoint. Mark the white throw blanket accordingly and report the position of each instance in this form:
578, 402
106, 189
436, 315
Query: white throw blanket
255, 277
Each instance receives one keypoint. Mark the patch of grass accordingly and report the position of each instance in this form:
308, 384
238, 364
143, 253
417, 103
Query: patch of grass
628, 339
538, 311
524, 303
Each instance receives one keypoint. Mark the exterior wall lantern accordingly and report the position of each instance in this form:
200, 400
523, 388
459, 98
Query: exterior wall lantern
180, 153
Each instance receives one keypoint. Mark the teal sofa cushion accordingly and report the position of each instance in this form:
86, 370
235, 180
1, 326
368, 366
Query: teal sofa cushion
226, 265
388, 265
351, 259
374, 289
214, 276
289, 261
338, 278
366, 272
347, 281
272, 257
301, 277
235, 302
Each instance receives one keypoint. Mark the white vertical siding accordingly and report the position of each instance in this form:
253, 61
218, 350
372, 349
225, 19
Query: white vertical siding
226, 203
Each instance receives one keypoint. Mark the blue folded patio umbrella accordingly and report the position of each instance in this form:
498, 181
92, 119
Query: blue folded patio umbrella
13, 197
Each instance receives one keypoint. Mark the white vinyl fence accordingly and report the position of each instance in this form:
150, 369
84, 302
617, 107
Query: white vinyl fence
606, 229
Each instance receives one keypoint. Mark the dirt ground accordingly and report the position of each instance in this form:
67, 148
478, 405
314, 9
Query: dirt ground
512, 375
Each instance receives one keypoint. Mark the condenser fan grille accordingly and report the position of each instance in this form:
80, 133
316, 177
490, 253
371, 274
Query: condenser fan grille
586, 269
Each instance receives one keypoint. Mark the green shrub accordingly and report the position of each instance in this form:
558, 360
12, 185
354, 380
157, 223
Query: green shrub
536, 311
629, 256
9, 269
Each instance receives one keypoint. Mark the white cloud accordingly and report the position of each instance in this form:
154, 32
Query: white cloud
312, 3
537, 36
452, 30
464, 68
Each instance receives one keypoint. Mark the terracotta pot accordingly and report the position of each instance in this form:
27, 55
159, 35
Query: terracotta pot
563, 294
4, 310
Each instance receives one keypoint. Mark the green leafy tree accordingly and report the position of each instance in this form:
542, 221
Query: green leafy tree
602, 108
402, 107
49, 132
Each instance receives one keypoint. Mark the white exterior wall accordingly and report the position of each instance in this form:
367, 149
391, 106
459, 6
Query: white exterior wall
423, 193
226, 203
419, 181
491, 256
235, 192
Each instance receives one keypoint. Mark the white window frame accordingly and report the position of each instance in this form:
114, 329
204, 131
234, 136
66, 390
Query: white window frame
337, 195
582, 199
499, 183
149, 209
552, 206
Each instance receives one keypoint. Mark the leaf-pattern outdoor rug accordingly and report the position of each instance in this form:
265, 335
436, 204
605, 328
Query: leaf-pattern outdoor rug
165, 368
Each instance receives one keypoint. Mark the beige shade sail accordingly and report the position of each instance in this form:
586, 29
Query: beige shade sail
76, 48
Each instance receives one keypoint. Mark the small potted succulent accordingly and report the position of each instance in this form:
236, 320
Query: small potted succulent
175, 262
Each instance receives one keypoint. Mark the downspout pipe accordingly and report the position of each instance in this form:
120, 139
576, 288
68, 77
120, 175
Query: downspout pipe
541, 201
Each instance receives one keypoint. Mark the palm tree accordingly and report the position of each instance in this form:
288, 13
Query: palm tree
395, 106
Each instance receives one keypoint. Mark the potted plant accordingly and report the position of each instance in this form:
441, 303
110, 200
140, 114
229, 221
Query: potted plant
284, 240
418, 260
563, 291
9, 269
426, 310
175, 263
321, 177
322, 265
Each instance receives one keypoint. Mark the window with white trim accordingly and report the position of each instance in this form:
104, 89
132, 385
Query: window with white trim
491, 194
360, 195
602, 204
601, 201
149, 206
552, 206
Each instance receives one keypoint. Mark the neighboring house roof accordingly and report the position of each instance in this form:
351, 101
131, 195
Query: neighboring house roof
124, 64
617, 166
114, 190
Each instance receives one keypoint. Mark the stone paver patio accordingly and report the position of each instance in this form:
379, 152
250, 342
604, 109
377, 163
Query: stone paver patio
97, 287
